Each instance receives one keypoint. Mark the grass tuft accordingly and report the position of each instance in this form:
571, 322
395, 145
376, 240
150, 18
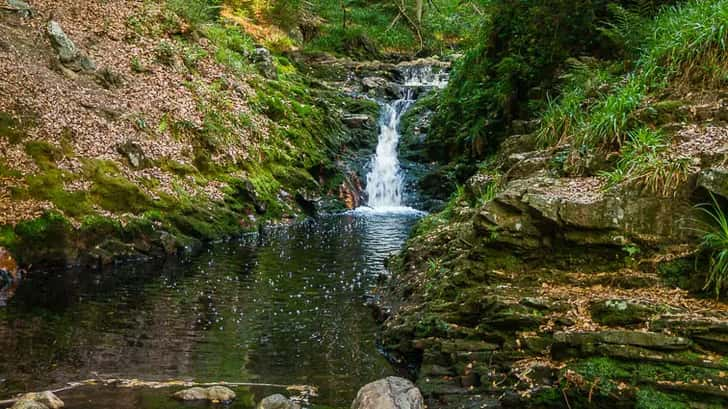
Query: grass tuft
715, 242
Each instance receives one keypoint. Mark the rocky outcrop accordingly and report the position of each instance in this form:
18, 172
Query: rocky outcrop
545, 285
715, 180
543, 211
389, 393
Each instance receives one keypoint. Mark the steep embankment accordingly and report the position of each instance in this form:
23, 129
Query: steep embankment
572, 269
132, 129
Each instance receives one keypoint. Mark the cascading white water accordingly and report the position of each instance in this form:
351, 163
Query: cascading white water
384, 181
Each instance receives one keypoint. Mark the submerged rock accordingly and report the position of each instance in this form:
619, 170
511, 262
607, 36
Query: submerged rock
389, 393
277, 401
212, 394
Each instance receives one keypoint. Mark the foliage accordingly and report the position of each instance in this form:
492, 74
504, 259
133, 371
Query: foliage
715, 241
196, 12
677, 41
520, 47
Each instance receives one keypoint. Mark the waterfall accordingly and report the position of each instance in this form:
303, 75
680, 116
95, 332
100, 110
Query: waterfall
384, 181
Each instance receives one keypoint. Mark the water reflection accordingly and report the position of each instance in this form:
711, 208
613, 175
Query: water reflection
285, 307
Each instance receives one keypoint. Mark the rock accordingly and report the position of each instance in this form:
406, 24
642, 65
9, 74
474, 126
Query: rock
714, 180
9, 276
67, 51
357, 121
620, 312
264, 62
63, 45
20, 7
220, 394
381, 87
389, 393
195, 393
39, 400
133, 153
277, 401
635, 338
28, 404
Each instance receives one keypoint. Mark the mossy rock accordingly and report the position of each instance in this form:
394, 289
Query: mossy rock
47, 240
620, 312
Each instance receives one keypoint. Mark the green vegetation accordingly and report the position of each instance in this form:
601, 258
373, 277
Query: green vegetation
644, 162
715, 242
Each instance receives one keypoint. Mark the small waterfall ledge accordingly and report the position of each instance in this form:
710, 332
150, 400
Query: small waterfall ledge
384, 182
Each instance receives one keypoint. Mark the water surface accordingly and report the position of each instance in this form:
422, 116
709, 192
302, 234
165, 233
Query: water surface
286, 306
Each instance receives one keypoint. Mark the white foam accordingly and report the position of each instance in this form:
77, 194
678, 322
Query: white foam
386, 210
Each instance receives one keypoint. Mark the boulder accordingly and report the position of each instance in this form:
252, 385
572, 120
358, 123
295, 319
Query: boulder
263, 60
381, 87
133, 153
195, 393
220, 394
68, 53
39, 400
213, 394
389, 393
28, 404
277, 401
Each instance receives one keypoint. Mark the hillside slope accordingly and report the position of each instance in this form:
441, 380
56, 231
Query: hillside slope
132, 129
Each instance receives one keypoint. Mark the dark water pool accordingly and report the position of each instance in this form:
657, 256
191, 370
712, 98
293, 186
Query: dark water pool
283, 307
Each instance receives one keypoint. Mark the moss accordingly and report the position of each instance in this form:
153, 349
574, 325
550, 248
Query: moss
97, 228
8, 172
44, 154
49, 185
648, 398
8, 238
44, 240
112, 191
13, 128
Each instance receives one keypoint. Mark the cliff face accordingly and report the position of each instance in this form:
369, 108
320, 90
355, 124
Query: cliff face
130, 129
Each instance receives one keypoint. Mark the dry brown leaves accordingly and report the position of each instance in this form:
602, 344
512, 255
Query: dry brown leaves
96, 120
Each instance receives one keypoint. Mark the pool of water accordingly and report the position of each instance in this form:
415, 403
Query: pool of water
285, 306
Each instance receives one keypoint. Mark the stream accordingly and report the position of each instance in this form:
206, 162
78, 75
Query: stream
283, 307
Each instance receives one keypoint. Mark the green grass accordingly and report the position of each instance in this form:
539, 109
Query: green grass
687, 42
715, 242
644, 162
